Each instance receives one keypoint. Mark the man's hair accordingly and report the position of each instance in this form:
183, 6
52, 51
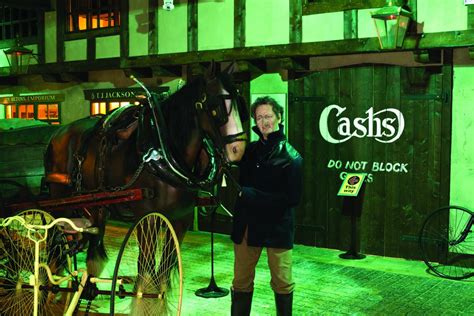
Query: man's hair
276, 107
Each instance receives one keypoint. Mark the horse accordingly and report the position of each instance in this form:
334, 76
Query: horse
175, 148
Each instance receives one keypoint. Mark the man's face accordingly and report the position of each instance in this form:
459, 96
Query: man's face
267, 121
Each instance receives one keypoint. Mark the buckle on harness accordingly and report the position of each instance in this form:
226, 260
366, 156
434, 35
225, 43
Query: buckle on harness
152, 154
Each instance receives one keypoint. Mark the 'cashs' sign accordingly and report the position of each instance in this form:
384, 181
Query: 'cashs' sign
385, 126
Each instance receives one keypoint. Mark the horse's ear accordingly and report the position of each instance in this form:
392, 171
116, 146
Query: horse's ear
212, 70
231, 68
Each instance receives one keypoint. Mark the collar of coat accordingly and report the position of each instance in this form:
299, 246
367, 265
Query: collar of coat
273, 137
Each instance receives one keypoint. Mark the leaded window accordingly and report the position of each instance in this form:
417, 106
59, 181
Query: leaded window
85, 15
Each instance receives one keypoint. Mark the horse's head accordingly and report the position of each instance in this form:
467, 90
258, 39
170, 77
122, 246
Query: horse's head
223, 112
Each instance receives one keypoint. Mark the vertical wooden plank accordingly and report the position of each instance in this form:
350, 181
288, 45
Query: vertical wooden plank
329, 206
470, 17
412, 5
124, 30
389, 205
296, 21
373, 212
350, 24
91, 48
239, 23
359, 149
192, 25
446, 127
60, 29
153, 27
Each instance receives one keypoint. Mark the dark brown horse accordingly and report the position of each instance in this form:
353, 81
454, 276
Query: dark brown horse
172, 147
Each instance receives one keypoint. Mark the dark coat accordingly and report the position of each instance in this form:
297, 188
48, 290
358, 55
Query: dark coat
271, 180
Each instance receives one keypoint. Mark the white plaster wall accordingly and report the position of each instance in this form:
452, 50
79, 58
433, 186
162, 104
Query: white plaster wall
75, 50
138, 27
365, 24
323, 27
442, 15
462, 140
216, 25
267, 22
107, 47
173, 29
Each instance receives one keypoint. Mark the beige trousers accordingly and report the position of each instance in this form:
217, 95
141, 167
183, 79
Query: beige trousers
246, 259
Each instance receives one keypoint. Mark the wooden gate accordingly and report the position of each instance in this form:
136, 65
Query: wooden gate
391, 122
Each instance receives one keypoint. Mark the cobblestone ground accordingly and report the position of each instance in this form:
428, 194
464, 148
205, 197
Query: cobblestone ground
328, 285
325, 284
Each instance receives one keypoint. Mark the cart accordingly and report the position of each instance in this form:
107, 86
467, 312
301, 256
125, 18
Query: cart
38, 265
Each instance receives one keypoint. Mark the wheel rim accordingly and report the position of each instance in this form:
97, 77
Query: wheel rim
17, 265
149, 263
444, 252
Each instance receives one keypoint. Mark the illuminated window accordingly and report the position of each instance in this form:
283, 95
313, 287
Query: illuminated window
83, 15
26, 111
98, 108
106, 107
48, 112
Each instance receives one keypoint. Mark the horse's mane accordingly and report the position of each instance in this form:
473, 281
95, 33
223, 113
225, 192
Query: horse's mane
179, 112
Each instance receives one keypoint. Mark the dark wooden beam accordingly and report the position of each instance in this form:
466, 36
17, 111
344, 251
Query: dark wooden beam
44, 5
341, 47
143, 72
77, 66
91, 49
296, 21
9, 81
253, 65
296, 50
239, 23
350, 24
428, 56
470, 17
65, 77
153, 27
192, 25
168, 71
323, 6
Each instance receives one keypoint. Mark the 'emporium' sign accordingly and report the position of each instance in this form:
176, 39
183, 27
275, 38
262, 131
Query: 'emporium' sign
385, 126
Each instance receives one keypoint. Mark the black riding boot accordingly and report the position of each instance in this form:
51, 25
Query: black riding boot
241, 303
284, 304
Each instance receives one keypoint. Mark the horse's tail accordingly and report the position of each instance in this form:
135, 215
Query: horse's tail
96, 252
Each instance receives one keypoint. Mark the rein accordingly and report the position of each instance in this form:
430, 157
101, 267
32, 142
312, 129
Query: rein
161, 159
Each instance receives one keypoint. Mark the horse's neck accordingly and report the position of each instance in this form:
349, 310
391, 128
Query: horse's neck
186, 154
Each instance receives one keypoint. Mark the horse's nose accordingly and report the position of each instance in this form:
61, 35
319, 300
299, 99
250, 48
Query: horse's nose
235, 150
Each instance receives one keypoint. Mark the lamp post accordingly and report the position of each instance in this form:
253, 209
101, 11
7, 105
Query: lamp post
18, 58
391, 23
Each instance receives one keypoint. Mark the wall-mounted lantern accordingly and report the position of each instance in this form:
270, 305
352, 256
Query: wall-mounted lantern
391, 23
19, 58
168, 5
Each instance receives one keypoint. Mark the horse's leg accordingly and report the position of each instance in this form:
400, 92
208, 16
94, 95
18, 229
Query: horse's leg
96, 254
168, 259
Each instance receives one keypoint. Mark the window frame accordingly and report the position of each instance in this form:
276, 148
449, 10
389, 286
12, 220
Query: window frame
35, 106
25, 24
91, 11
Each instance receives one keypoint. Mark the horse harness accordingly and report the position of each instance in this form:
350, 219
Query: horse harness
120, 125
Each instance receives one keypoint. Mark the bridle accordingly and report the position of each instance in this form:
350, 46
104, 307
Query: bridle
161, 162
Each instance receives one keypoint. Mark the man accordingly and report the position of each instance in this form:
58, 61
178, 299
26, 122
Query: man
271, 186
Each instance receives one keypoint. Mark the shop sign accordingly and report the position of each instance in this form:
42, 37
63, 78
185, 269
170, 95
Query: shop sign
118, 94
384, 126
37, 98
